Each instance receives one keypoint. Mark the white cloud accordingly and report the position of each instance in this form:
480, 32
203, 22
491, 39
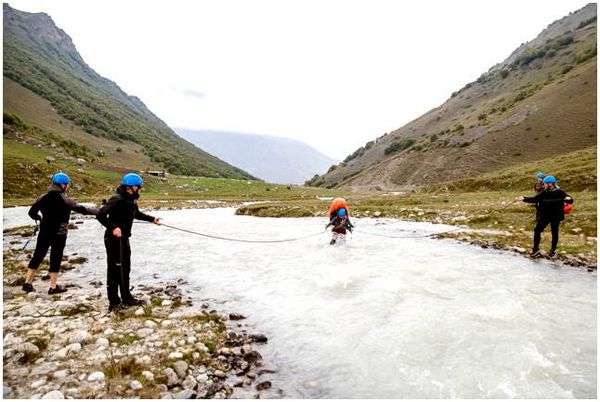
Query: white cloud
335, 74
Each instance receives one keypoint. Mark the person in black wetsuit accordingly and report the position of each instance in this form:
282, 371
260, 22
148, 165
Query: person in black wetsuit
56, 209
550, 206
117, 216
341, 223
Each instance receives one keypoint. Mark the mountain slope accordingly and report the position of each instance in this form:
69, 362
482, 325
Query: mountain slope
41, 58
274, 159
538, 103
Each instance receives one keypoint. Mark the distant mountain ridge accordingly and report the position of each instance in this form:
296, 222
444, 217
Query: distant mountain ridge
40, 60
274, 159
538, 103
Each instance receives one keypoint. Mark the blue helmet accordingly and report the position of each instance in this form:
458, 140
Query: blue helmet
132, 179
341, 212
550, 180
60, 178
540, 175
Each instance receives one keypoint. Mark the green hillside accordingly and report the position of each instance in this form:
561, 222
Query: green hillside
40, 61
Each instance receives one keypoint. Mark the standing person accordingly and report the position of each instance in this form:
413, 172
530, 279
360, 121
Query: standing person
550, 203
340, 223
117, 216
56, 209
538, 187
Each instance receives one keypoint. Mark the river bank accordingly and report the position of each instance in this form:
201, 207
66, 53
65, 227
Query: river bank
68, 346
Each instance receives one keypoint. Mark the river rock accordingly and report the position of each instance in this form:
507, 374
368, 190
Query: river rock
38, 383
135, 385
166, 303
148, 375
43, 369
175, 355
27, 348
236, 316
60, 374
189, 382
150, 324
263, 385
80, 336
102, 342
108, 331
96, 376
166, 324
28, 310
144, 332
54, 395
185, 394
139, 312
172, 378
259, 338
180, 368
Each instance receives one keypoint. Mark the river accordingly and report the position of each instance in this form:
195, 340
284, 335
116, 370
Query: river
377, 317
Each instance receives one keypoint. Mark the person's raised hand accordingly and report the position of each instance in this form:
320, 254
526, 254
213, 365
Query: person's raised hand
117, 232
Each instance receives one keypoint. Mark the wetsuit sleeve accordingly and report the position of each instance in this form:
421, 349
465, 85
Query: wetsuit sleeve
104, 211
532, 200
78, 207
34, 211
142, 216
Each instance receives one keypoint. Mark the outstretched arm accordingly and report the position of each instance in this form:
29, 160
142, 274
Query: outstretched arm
144, 217
82, 209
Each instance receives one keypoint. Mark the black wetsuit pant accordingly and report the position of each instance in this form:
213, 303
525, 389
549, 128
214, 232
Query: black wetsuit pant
118, 258
539, 228
48, 240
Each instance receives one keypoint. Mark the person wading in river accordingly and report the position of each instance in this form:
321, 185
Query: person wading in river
117, 216
56, 209
341, 223
551, 206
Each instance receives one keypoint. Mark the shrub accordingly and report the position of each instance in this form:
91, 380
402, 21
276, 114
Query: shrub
586, 22
504, 73
566, 69
586, 55
482, 116
399, 146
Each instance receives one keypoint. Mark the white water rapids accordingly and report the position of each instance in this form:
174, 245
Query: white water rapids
377, 317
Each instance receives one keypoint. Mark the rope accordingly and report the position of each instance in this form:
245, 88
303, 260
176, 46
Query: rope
241, 240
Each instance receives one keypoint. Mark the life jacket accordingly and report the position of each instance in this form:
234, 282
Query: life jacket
336, 205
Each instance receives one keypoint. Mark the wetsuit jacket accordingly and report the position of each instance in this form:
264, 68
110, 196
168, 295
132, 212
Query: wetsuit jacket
120, 211
340, 224
56, 209
550, 204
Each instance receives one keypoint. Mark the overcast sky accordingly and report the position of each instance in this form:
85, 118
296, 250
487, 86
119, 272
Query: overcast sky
334, 74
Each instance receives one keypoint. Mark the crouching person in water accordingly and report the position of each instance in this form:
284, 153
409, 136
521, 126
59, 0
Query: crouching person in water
117, 216
56, 209
550, 204
340, 222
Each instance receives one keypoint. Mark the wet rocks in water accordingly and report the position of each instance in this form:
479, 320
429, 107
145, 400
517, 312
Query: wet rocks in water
263, 385
259, 338
236, 316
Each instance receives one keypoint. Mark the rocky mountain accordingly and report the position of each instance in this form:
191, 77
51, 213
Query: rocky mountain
539, 102
49, 86
274, 159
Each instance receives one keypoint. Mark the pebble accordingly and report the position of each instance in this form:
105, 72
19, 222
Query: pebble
102, 342
43, 369
180, 368
175, 355
139, 312
150, 324
53, 395
135, 385
109, 331
185, 394
38, 383
166, 303
27, 348
80, 336
166, 324
144, 332
148, 375
60, 374
172, 378
96, 376
263, 385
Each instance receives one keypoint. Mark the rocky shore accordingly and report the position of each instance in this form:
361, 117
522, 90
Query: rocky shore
69, 346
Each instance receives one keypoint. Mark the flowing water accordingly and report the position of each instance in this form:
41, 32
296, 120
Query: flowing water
377, 317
